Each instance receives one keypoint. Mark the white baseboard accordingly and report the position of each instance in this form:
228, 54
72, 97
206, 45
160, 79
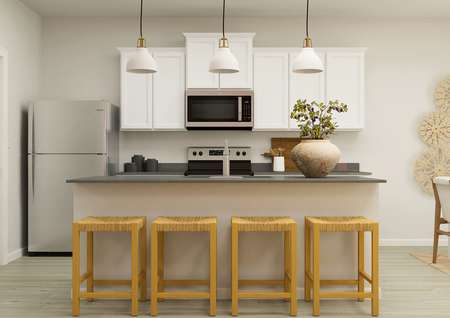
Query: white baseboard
12, 256
412, 242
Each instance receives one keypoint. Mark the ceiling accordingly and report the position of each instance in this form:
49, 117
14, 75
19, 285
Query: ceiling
325, 8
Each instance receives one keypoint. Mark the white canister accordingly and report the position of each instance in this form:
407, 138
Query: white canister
278, 164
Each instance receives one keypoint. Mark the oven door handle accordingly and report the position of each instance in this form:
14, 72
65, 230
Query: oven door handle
239, 108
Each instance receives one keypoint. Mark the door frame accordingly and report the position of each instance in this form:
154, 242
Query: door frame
4, 161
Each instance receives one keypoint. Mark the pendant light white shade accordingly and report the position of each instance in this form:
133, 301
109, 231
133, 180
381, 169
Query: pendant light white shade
307, 61
224, 62
142, 62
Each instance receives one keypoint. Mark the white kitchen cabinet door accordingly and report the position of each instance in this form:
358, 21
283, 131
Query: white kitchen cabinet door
345, 82
135, 97
271, 90
242, 48
169, 90
305, 86
199, 52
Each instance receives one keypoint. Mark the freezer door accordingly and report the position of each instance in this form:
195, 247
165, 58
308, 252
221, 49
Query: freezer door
50, 199
68, 127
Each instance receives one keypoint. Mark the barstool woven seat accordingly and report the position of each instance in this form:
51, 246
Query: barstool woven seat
137, 226
288, 227
359, 224
182, 224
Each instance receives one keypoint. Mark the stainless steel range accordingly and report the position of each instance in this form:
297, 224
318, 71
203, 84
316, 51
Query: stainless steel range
210, 161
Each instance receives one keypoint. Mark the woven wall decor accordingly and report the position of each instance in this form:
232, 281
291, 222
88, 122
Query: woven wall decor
442, 96
433, 162
435, 129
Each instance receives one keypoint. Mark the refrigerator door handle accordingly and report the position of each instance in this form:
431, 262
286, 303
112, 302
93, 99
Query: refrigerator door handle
31, 177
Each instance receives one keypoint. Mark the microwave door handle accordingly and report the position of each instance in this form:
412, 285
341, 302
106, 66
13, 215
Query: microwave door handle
239, 108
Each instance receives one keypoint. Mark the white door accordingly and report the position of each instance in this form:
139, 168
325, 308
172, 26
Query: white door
50, 198
305, 86
169, 90
68, 127
199, 52
271, 90
242, 48
345, 82
136, 98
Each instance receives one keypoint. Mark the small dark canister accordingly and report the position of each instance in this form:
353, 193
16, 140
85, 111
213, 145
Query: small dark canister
130, 167
151, 165
139, 161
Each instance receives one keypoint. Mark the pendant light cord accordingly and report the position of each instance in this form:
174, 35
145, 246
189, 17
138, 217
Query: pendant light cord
223, 19
140, 19
307, 18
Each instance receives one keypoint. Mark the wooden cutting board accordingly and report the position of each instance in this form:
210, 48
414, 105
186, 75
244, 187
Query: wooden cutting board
287, 144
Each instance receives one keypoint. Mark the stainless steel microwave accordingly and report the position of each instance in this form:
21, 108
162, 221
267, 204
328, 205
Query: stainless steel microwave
219, 109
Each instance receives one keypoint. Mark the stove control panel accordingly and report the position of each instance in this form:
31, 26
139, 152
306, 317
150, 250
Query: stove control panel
216, 153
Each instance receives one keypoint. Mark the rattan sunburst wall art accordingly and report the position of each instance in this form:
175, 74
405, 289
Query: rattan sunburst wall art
435, 132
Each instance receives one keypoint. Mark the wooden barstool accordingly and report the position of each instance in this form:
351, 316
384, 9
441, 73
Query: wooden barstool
265, 224
359, 224
182, 224
137, 226
441, 210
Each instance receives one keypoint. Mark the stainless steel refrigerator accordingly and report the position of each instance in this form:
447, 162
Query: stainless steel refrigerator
65, 140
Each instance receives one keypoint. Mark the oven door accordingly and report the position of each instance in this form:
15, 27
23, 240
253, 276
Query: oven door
209, 112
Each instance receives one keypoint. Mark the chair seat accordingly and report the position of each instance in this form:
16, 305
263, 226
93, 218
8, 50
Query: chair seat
110, 223
341, 223
262, 224
184, 223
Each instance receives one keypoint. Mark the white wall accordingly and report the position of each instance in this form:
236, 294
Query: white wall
20, 35
405, 61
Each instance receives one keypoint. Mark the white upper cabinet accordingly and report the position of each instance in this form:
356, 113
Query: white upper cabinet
169, 90
136, 96
153, 101
271, 89
305, 86
345, 82
241, 45
200, 49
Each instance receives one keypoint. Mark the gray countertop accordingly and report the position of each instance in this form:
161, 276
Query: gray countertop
258, 178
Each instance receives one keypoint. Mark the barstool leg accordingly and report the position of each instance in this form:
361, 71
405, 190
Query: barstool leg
307, 262
154, 272
213, 270
316, 270
160, 262
234, 270
143, 261
287, 262
75, 270
361, 265
134, 270
90, 262
293, 268
375, 273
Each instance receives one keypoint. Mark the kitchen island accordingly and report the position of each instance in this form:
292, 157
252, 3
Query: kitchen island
260, 195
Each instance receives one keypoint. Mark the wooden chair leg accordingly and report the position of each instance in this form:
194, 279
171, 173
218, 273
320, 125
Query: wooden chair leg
134, 270
143, 261
361, 265
437, 221
375, 272
75, 270
307, 283
161, 243
287, 261
213, 270
316, 270
154, 272
234, 270
293, 268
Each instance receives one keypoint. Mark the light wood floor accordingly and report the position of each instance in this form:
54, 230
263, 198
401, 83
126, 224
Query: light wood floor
40, 287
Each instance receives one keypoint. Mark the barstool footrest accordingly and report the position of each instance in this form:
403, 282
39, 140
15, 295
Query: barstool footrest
182, 295
338, 282
112, 282
184, 282
345, 294
264, 295
106, 295
261, 282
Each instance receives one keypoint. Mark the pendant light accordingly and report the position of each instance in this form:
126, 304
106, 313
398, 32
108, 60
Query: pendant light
141, 62
307, 61
223, 61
